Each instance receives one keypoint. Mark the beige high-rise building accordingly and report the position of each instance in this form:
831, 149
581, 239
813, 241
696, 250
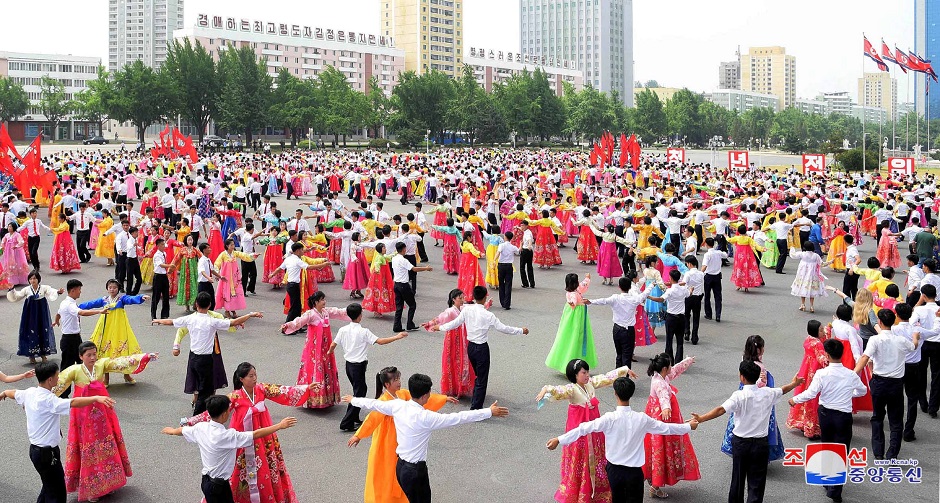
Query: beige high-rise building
429, 31
879, 90
770, 70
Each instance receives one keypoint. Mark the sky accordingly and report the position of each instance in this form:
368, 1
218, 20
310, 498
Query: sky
678, 43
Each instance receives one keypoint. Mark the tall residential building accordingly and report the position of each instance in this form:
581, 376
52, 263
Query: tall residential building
141, 30
838, 102
927, 46
742, 101
496, 70
74, 72
729, 73
429, 31
808, 106
770, 70
879, 90
597, 35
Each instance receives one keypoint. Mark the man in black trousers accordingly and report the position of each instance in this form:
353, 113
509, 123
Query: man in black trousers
161, 282
695, 279
505, 256
403, 292
134, 278
835, 386
83, 221
525, 256
711, 266
33, 228
624, 306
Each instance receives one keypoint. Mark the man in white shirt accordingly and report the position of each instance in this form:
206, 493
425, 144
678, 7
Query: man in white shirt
835, 386
33, 228
68, 319
43, 410
355, 341
674, 297
218, 446
505, 256
888, 352
525, 256
624, 431
711, 266
83, 219
298, 223
695, 280
413, 427
624, 306
161, 282
293, 267
206, 273
202, 330
751, 407
246, 241
914, 381
120, 243
403, 292
782, 228
133, 265
924, 318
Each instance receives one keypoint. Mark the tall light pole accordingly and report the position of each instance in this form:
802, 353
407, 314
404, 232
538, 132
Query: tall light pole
427, 142
864, 135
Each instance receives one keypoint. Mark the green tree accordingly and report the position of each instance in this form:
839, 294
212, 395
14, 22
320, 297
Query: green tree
851, 160
757, 122
90, 103
245, 98
492, 127
53, 102
465, 111
288, 104
715, 121
590, 113
789, 128
380, 107
139, 95
550, 115
14, 101
513, 99
421, 104
683, 121
651, 122
195, 83
344, 108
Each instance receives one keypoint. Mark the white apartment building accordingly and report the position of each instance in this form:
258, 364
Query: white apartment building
817, 106
838, 102
742, 101
494, 67
26, 69
141, 30
597, 36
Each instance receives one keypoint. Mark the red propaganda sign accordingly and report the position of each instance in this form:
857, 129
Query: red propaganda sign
900, 166
737, 160
676, 155
814, 163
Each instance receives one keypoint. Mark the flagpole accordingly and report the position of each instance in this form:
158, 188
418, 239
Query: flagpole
907, 118
864, 98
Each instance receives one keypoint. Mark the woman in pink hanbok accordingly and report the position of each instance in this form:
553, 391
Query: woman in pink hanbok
457, 375
13, 261
230, 297
316, 365
583, 463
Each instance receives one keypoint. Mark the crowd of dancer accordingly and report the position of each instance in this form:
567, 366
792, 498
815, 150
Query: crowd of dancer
196, 232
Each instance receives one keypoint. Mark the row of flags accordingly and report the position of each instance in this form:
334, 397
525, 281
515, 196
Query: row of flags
907, 61
28, 172
603, 151
173, 144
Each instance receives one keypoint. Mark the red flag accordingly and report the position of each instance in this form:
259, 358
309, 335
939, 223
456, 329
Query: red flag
873, 54
634, 147
594, 155
6, 143
48, 180
623, 149
189, 149
610, 148
31, 174
155, 150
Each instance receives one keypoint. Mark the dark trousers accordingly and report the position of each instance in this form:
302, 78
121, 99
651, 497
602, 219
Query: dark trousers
713, 287
784, 249
414, 481
48, 464
293, 293
249, 276
748, 468
675, 327
693, 311
356, 372
887, 396
32, 244
675, 239
161, 294
201, 367
422, 252
525, 268
835, 426
915, 385
82, 237
120, 269
404, 295
216, 490
626, 483
624, 344
504, 278
255, 200
205, 286
290, 190
628, 261
169, 216
412, 276
850, 285
134, 278
930, 355
69, 347
479, 356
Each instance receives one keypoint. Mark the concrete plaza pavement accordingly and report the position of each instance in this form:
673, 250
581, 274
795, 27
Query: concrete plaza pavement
500, 459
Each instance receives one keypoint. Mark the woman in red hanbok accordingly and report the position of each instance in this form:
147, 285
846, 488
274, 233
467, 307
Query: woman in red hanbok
316, 365
380, 296
216, 244
451, 246
587, 245
457, 376
470, 274
583, 463
805, 416
746, 273
888, 253
357, 270
260, 473
545, 253
669, 458
441, 213
321, 250
64, 257
273, 256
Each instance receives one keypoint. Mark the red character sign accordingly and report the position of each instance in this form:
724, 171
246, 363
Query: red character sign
903, 166
675, 155
814, 163
737, 160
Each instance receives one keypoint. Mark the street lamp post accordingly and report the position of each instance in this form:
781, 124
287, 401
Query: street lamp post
864, 135
427, 142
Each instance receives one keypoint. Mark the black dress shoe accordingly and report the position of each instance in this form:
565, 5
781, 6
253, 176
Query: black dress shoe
910, 438
717, 320
688, 337
707, 317
695, 342
933, 414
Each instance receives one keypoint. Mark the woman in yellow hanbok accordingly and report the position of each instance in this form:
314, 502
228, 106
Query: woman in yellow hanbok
113, 335
105, 247
381, 482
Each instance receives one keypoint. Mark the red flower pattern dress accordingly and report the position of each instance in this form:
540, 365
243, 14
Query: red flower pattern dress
315, 365
545, 253
64, 257
669, 458
457, 375
746, 272
805, 416
380, 296
260, 474
470, 274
